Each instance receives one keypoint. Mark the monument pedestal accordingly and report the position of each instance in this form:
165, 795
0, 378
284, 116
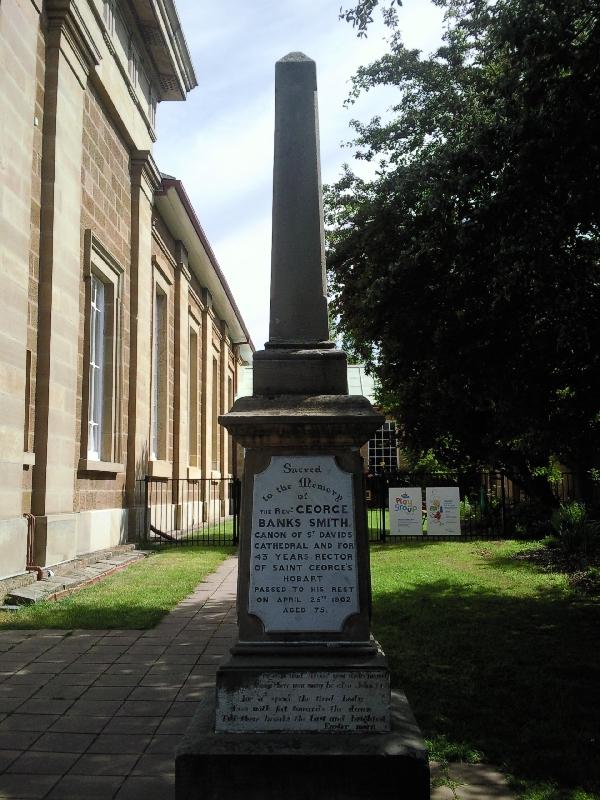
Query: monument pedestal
319, 766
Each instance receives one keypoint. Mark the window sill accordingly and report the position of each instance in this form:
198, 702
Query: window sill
109, 467
160, 469
215, 475
194, 473
28, 459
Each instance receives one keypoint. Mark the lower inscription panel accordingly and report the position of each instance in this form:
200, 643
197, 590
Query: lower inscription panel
353, 701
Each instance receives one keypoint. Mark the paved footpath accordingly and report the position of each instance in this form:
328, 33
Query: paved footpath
96, 715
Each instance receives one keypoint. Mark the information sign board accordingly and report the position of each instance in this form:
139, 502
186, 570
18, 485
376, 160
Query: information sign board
443, 510
406, 506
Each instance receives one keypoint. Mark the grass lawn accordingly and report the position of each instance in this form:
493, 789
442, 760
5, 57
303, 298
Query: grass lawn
137, 597
209, 534
500, 660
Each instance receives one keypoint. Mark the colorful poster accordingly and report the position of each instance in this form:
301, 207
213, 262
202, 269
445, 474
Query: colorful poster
443, 510
406, 512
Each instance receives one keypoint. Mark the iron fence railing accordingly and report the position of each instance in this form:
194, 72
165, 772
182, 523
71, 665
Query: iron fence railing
206, 510
188, 511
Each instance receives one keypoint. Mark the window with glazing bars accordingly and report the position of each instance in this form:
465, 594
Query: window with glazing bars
159, 377
97, 368
383, 456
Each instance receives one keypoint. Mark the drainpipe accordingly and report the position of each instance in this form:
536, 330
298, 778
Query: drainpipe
31, 567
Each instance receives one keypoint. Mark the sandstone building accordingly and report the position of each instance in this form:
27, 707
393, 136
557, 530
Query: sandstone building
120, 341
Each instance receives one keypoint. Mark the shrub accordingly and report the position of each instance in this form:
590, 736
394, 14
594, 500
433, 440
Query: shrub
577, 533
530, 520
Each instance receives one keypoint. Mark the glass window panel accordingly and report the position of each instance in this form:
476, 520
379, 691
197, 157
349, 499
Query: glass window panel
158, 341
96, 378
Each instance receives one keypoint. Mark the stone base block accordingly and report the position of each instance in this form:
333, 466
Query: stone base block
337, 766
55, 539
101, 529
13, 546
307, 372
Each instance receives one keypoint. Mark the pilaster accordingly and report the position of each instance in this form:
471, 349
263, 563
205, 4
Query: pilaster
145, 179
224, 373
206, 387
19, 23
182, 361
70, 55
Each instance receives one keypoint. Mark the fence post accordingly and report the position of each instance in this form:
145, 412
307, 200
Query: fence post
382, 506
503, 507
237, 484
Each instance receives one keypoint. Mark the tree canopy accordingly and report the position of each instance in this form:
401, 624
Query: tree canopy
467, 271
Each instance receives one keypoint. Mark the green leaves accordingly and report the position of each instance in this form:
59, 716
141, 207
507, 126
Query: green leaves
467, 272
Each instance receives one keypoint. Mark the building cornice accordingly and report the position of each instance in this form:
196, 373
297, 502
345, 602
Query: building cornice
67, 26
144, 172
164, 40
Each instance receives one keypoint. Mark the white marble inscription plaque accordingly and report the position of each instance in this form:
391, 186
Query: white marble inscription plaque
355, 701
303, 574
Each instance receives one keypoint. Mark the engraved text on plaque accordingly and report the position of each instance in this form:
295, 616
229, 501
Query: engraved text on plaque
303, 573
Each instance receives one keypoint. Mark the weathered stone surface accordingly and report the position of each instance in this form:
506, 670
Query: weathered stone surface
269, 766
298, 286
298, 358
326, 693
12, 554
315, 421
471, 782
300, 372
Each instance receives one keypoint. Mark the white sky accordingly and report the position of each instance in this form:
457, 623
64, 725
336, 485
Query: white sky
220, 141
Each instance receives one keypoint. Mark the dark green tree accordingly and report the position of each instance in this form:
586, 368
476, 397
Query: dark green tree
466, 273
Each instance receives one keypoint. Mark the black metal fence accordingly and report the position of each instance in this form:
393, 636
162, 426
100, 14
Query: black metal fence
491, 505
206, 511
188, 511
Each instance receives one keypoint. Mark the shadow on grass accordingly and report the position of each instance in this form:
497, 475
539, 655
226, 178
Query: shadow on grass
515, 678
87, 616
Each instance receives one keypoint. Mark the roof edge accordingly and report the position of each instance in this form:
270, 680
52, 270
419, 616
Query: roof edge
182, 49
174, 183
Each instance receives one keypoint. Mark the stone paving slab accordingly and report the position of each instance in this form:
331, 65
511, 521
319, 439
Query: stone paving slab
469, 782
88, 715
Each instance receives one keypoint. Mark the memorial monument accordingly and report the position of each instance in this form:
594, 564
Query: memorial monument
303, 706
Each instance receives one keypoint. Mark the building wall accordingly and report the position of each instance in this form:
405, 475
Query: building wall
18, 55
34, 265
106, 213
189, 308
77, 184
164, 263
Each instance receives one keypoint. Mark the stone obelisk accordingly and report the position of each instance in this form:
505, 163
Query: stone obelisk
298, 358
303, 706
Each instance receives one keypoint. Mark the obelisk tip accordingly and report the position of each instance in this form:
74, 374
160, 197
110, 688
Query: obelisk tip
297, 56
